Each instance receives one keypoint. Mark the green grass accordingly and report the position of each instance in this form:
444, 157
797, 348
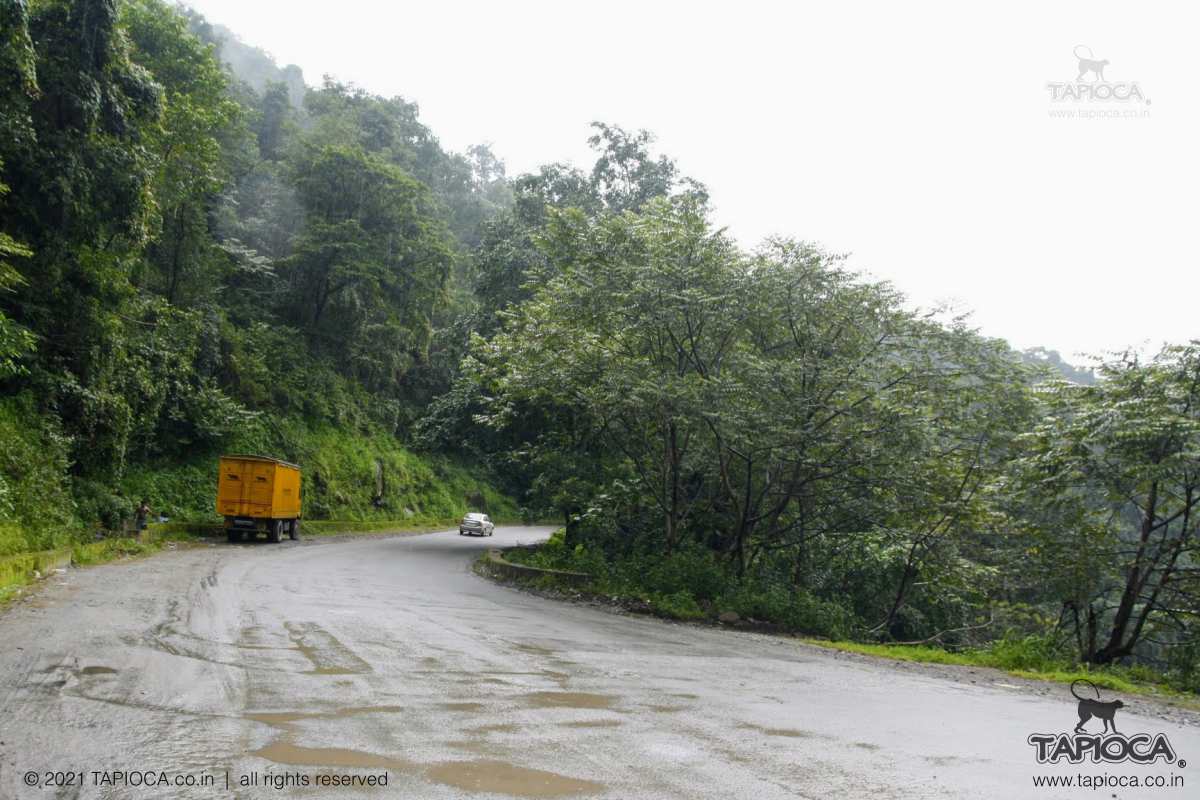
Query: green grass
20, 571
356, 480
925, 655
329, 527
689, 586
1118, 679
106, 550
348, 476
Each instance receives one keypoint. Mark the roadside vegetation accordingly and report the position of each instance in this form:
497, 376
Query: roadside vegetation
194, 261
770, 432
20, 570
694, 587
199, 254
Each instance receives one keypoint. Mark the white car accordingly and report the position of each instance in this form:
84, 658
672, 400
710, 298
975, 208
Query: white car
476, 525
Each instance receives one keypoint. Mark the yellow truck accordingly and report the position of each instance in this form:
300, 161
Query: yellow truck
255, 493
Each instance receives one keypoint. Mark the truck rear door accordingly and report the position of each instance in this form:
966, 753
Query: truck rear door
260, 487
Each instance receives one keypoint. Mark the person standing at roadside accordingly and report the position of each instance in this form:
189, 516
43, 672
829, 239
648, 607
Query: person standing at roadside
141, 517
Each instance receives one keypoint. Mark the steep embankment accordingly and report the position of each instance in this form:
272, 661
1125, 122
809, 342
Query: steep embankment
349, 475
361, 479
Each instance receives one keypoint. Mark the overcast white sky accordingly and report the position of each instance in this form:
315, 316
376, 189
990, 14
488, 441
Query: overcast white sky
917, 137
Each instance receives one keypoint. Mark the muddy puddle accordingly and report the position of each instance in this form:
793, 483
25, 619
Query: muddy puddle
278, 720
791, 733
569, 700
97, 671
499, 777
592, 723
499, 727
285, 752
285, 719
535, 649
326, 653
461, 706
496, 777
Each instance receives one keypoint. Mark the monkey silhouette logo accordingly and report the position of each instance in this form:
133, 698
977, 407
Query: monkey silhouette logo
1089, 708
1089, 63
1109, 746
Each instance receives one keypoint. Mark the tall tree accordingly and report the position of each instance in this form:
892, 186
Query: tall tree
18, 90
187, 142
81, 202
370, 265
1116, 468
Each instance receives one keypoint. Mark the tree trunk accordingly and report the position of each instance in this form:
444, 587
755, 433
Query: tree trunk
671, 457
902, 590
1119, 644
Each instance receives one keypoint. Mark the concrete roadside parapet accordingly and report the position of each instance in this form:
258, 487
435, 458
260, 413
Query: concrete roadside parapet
498, 565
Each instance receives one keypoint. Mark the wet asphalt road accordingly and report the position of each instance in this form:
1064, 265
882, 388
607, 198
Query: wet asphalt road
389, 657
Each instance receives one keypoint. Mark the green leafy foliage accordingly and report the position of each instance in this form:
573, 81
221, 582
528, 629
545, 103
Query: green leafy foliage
365, 476
844, 464
37, 511
1110, 488
200, 254
191, 265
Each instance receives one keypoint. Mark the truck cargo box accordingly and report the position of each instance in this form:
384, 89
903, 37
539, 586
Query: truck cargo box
256, 492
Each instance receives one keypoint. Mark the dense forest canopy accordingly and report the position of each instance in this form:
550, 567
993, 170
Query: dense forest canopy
199, 252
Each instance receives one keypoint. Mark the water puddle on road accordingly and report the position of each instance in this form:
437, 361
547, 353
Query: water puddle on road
535, 649
593, 723
284, 719
490, 776
499, 777
97, 671
355, 711
326, 653
461, 706
499, 727
284, 752
792, 733
569, 700
551, 655
493, 777
279, 720
561, 678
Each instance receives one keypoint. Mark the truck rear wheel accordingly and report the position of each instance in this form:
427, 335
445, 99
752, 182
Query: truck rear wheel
294, 530
274, 530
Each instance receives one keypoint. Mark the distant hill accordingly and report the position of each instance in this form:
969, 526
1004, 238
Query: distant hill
253, 65
1052, 359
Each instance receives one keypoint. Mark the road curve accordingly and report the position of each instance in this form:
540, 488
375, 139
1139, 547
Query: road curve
389, 657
